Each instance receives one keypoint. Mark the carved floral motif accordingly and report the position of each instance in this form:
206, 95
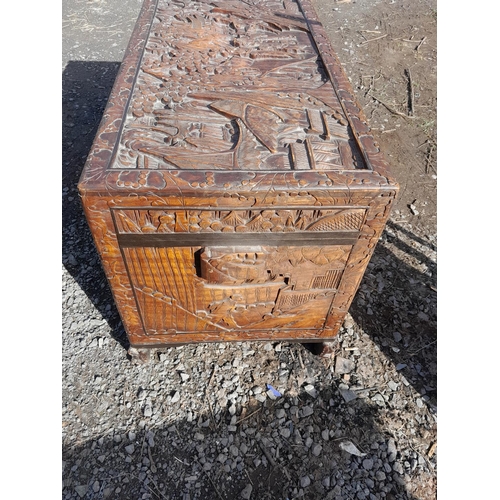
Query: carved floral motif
144, 221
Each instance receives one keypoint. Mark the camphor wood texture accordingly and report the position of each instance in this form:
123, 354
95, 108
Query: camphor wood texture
233, 190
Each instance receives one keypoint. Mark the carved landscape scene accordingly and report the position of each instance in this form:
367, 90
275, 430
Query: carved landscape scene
234, 86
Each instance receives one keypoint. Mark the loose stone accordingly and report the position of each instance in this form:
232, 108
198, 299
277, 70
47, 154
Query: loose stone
306, 411
398, 467
285, 432
368, 463
247, 492
343, 365
81, 490
316, 450
391, 450
305, 481
311, 390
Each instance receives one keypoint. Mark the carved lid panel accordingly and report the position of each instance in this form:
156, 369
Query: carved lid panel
234, 85
211, 92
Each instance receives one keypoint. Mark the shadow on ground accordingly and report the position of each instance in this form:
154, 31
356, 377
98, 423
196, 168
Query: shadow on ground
397, 306
85, 90
211, 459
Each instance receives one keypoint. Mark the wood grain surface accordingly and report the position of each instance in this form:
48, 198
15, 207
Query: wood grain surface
234, 191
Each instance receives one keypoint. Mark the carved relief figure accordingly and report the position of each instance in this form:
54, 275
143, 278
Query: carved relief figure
198, 56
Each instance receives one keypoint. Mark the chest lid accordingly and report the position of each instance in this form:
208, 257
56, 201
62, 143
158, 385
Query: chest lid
231, 89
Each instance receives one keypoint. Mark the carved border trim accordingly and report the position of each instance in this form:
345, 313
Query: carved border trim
98, 177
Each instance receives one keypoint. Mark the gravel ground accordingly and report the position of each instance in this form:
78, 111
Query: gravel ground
238, 420
203, 421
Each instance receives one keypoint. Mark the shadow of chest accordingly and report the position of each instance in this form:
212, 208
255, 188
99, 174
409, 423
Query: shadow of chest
233, 190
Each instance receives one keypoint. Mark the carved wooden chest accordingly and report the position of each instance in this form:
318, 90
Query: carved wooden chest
233, 190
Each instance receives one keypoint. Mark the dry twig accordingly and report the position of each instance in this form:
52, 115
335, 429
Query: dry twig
429, 158
421, 42
372, 40
266, 453
411, 93
248, 416
300, 361
391, 109
215, 488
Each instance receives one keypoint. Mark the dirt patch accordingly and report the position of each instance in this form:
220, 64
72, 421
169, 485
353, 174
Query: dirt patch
388, 50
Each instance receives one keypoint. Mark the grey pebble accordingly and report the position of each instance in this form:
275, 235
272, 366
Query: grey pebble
175, 397
305, 481
392, 385
247, 491
348, 395
343, 365
285, 432
368, 464
378, 398
316, 450
271, 395
307, 411
398, 467
280, 413
311, 390
391, 450
81, 490
130, 449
